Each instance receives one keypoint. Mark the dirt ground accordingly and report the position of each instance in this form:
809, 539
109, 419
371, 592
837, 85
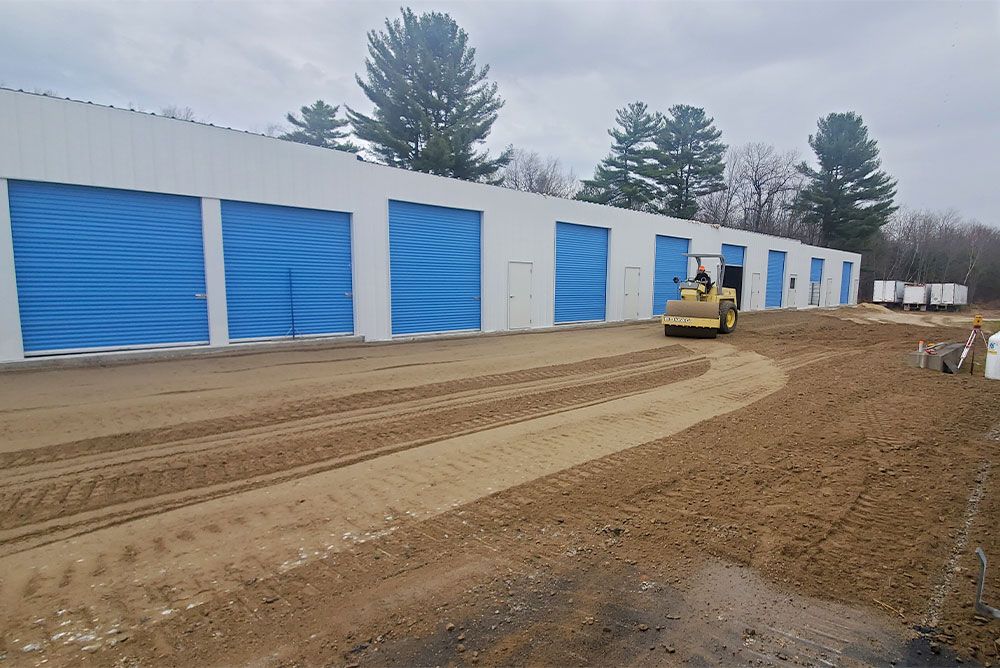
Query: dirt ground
792, 493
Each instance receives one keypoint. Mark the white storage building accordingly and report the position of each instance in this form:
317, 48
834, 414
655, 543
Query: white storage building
124, 230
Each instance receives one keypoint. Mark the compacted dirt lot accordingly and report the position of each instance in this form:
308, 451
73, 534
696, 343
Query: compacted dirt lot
792, 493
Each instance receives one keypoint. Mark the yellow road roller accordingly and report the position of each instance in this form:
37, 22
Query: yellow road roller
705, 307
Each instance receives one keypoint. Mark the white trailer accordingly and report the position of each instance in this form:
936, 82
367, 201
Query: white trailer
935, 292
877, 292
888, 292
961, 295
948, 296
916, 296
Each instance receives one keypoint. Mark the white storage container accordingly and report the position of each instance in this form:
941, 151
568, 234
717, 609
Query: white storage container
916, 294
993, 358
878, 292
894, 292
961, 294
936, 291
949, 295
888, 292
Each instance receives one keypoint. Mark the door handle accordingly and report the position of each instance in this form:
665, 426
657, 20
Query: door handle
348, 294
200, 295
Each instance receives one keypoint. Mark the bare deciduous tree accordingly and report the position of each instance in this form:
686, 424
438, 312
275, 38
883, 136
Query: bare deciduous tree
768, 180
180, 113
528, 172
720, 208
930, 246
269, 130
927, 246
761, 185
274, 129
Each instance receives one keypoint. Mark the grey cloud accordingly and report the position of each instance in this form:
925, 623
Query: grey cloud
924, 75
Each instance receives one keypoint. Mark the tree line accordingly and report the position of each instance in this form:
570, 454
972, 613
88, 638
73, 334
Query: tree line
939, 247
433, 108
676, 164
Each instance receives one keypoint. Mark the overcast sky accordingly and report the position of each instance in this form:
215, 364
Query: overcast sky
924, 75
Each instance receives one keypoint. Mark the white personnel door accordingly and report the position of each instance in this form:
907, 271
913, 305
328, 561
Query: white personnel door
793, 281
519, 295
755, 297
631, 293
829, 292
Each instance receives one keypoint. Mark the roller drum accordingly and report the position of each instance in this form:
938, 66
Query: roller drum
693, 309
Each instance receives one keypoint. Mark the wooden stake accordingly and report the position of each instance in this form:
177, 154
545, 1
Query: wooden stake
889, 607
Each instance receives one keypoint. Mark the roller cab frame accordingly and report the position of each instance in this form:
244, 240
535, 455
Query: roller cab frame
705, 308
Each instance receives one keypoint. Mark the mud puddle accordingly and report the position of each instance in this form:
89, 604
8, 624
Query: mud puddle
720, 614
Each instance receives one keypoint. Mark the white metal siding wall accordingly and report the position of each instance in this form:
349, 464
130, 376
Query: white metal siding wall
11, 346
54, 140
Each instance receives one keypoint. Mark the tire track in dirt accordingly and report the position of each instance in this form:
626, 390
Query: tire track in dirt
309, 517
46, 532
525, 534
866, 529
867, 525
498, 528
326, 405
176, 470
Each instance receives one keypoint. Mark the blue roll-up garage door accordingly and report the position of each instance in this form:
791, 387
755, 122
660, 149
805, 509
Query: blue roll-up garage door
845, 283
102, 269
581, 272
670, 262
434, 255
815, 281
775, 279
734, 255
288, 271
816, 270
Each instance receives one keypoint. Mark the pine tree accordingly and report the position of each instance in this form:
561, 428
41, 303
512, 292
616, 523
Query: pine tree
690, 160
319, 126
849, 197
623, 179
433, 105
